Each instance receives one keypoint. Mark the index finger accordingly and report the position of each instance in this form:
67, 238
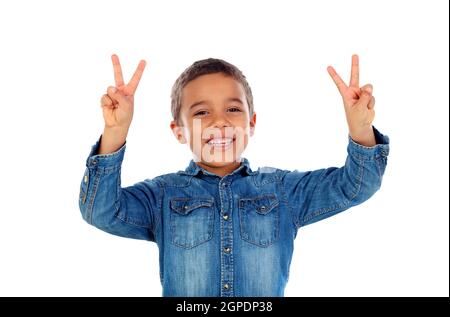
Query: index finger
354, 77
117, 70
342, 87
134, 82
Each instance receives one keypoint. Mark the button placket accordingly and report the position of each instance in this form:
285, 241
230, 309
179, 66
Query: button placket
226, 237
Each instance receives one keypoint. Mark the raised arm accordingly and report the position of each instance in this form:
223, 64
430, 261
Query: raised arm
131, 211
319, 194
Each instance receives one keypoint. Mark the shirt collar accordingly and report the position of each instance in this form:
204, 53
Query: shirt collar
193, 169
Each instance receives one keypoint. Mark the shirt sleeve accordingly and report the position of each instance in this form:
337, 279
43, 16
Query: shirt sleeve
128, 212
319, 194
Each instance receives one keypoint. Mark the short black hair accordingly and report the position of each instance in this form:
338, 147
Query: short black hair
204, 67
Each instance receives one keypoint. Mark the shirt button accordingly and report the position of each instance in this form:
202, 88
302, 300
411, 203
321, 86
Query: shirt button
226, 286
225, 217
263, 208
85, 178
227, 250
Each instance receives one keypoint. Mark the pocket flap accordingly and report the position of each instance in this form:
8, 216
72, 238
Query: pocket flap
262, 204
186, 205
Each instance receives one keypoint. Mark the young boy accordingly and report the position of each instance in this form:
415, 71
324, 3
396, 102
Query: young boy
222, 228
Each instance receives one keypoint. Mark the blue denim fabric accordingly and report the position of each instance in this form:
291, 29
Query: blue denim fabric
232, 235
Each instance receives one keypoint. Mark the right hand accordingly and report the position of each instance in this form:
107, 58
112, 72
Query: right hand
118, 103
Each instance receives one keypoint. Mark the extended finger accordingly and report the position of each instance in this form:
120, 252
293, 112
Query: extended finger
354, 77
134, 82
118, 77
341, 86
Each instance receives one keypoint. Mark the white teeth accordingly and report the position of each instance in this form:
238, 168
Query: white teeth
220, 142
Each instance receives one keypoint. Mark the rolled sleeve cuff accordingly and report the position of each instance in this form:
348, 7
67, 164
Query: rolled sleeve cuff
373, 152
105, 160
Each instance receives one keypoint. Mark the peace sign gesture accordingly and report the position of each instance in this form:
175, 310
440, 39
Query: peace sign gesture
358, 103
118, 102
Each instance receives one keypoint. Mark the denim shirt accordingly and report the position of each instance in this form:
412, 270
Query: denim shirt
232, 235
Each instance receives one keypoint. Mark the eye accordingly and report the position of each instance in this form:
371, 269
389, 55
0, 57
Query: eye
200, 113
234, 109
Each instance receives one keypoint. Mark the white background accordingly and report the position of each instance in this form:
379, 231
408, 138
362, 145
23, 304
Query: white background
55, 65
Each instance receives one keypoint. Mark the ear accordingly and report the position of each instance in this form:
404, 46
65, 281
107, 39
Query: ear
178, 132
252, 124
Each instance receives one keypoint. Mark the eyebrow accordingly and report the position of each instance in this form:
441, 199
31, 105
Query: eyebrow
203, 101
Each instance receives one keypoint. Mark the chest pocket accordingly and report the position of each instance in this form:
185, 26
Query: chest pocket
191, 221
259, 219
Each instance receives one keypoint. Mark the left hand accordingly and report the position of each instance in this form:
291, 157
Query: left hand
359, 105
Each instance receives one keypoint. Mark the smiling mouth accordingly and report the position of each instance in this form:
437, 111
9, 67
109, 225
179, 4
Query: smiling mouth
220, 142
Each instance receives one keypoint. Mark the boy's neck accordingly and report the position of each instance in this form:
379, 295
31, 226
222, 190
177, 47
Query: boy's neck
220, 170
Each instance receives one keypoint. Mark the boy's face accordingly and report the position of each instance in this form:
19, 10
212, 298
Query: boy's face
214, 119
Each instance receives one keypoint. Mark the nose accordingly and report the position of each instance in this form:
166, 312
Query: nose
220, 122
